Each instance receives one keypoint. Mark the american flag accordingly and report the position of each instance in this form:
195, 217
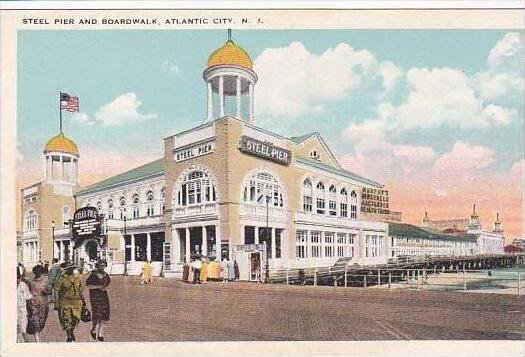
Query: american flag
69, 102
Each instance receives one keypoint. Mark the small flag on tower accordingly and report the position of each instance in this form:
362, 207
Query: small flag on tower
69, 102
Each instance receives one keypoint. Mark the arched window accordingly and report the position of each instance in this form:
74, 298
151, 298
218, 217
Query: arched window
110, 209
320, 195
31, 221
307, 195
263, 186
314, 154
196, 188
353, 205
332, 204
99, 205
122, 202
135, 205
343, 203
150, 206
65, 214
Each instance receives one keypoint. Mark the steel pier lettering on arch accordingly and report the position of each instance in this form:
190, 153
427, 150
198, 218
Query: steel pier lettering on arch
265, 150
87, 224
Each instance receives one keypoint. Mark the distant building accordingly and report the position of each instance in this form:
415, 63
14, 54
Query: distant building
487, 242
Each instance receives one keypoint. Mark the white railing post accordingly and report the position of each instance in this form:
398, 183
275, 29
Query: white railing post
364, 281
315, 277
389, 279
346, 278
464, 280
287, 277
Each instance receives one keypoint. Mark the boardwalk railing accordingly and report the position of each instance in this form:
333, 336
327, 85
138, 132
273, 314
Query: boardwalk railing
510, 282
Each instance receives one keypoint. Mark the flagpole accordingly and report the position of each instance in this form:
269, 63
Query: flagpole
60, 110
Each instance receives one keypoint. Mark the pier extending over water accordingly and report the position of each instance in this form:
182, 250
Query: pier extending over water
413, 272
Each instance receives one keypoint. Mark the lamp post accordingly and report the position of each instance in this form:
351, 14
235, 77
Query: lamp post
268, 195
124, 217
53, 237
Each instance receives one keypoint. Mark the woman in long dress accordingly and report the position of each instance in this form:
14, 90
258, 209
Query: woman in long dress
23, 295
204, 271
97, 283
146, 272
38, 306
231, 270
236, 269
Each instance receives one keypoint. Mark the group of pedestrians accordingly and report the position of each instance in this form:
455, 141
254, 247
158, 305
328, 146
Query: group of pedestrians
199, 270
63, 287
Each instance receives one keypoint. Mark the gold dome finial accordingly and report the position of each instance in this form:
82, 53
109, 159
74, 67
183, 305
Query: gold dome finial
230, 54
61, 143
497, 218
474, 215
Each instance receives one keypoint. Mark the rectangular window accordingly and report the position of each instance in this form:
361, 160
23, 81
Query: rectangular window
157, 246
307, 203
332, 207
135, 211
315, 239
150, 210
278, 243
320, 206
110, 214
344, 209
353, 212
140, 247
328, 244
300, 245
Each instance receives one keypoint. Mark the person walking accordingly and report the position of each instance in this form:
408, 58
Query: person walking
196, 270
38, 306
236, 270
70, 300
204, 271
97, 282
46, 267
23, 296
52, 277
231, 270
20, 271
146, 272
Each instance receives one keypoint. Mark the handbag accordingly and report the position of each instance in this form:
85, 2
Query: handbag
85, 314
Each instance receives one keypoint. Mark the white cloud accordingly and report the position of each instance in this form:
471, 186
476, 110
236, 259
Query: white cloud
500, 114
170, 66
81, 118
390, 73
506, 48
293, 81
123, 109
464, 159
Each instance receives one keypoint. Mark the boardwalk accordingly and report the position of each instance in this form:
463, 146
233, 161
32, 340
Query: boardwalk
170, 310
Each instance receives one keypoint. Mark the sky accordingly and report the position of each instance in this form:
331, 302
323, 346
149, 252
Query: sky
435, 115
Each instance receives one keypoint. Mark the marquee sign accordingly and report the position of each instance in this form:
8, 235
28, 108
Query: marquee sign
265, 150
87, 224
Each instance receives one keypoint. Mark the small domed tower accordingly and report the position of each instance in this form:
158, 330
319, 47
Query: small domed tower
426, 221
497, 224
61, 160
475, 224
230, 81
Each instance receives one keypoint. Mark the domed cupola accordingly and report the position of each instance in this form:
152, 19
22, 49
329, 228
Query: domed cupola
230, 81
61, 160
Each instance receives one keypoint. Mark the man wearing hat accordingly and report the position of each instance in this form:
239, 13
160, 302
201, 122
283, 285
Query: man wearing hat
69, 290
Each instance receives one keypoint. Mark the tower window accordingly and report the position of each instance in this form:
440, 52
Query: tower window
314, 154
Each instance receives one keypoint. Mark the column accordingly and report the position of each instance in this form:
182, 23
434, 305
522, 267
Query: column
238, 87
256, 235
132, 247
221, 94
243, 234
71, 170
308, 245
218, 244
210, 102
175, 250
61, 165
322, 244
272, 230
188, 251
204, 242
148, 246
62, 257
250, 90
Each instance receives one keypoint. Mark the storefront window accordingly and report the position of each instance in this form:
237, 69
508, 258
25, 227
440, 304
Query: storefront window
157, 246
301, 245
140, 247
278, 243
315, 239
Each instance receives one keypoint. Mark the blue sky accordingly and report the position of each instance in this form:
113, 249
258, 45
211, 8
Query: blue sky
442, 107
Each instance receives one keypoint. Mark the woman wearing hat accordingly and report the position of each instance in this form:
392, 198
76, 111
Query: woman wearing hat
70, 299
38, 306
97, 283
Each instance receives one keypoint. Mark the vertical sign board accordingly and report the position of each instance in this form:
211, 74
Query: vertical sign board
87, 224
167, 256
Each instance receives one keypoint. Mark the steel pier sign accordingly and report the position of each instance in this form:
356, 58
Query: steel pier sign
87, 224
265, 150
